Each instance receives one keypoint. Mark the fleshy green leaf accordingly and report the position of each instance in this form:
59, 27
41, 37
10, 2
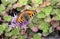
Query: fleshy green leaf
57, 18
8, 34
32, 8
1, 32
20, 8
4, 25
41, 15
2, 8
53, 2
7, 29
35, 20
1, 28
7, 18
5, 2
38, 2
47, 19
51, 30
56, 11
15, 31
47, 10
21, 37
45, 32
23, 2
6, 38
31, 25
29, 2
13, 37
36, 36
44, 26
12, 1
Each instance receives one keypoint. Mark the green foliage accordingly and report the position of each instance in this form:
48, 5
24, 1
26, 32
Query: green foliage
20, 8
21, 37
53, 2
41, 15
37, 36
56, 11
38, 2
5, 3
1, 32
45, 32
2, 28
5, 37
7, 18
29, 2
4, 25
51, 30
47, 19
57, 18
8, 34
2, 12
15, 31
9, 7
45, 27
47, 10
7, 29
23, 2
31, 25
12, 1
2, 8
34, 20
32, 8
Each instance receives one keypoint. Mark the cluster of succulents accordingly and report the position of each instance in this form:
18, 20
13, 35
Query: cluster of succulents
44, 22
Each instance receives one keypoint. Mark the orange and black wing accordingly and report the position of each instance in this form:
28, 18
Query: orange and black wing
25, 16
20, 18
30, 13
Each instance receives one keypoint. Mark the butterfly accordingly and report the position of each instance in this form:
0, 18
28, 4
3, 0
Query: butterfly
25, 15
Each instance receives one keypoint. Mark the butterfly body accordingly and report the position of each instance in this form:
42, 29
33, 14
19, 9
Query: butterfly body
25, 15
